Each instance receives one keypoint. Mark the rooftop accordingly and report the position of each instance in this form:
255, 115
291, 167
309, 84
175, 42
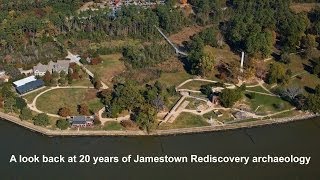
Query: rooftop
24, 81
30, 86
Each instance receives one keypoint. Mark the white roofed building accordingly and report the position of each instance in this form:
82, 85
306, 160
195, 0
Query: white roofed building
24, 81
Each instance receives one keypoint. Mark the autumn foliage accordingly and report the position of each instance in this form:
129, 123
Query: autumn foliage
64, 112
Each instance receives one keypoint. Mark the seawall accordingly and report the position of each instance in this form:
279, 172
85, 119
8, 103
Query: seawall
251, 124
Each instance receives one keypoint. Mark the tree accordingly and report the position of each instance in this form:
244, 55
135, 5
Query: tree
145, 116
95, 61
277, 74
62, 124
97, 84
206, 65
317, 90
9, 104
25, 114
6, 91
55, 75
206, 89
158, 103
62, 81
292, 92
41, 120
228, 97
20, 103
285, 58
96, 121
47, 78
84, 109
64, 112
313, 103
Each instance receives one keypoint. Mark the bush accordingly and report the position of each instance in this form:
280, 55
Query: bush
41, 120
25, 114
62, 124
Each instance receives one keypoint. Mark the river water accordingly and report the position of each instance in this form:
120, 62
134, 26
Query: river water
298, 138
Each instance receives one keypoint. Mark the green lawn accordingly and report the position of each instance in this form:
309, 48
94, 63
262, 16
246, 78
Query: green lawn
31, 96
174, 79
52, 101
185, 120
194, 103
209, 115
258, 89
194, 85
268, 104
112, 126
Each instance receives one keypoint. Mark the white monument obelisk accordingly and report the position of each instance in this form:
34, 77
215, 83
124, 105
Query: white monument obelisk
242, 61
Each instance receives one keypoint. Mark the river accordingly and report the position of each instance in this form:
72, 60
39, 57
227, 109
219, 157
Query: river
297, 138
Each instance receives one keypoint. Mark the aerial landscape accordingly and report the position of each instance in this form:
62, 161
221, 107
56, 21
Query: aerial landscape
160, 89
153, 67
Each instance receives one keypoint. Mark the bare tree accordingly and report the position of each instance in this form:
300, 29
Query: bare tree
292, 92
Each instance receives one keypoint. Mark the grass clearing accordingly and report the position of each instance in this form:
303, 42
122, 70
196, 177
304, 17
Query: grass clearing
268, 104
194, 85
257, 89
112, 126
31, 96
185, 120
195, 103
82, 82
52, 101
225, 54
111, 66
209, 115
173, 79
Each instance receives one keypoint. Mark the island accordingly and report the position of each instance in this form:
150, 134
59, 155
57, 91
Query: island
158, 67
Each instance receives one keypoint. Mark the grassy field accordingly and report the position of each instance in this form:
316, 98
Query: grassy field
185, 120
268, 104
258, 89
224, 54
174, 79
194, 85
52, 101
82, 82
110, 67
112, 126
31, 96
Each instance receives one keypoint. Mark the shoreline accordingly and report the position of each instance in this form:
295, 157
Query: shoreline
170, 132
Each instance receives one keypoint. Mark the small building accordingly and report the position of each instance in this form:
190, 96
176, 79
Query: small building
81, 121
30, 86
24, 81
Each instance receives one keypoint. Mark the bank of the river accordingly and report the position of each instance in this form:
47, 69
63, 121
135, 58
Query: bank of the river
250, 124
